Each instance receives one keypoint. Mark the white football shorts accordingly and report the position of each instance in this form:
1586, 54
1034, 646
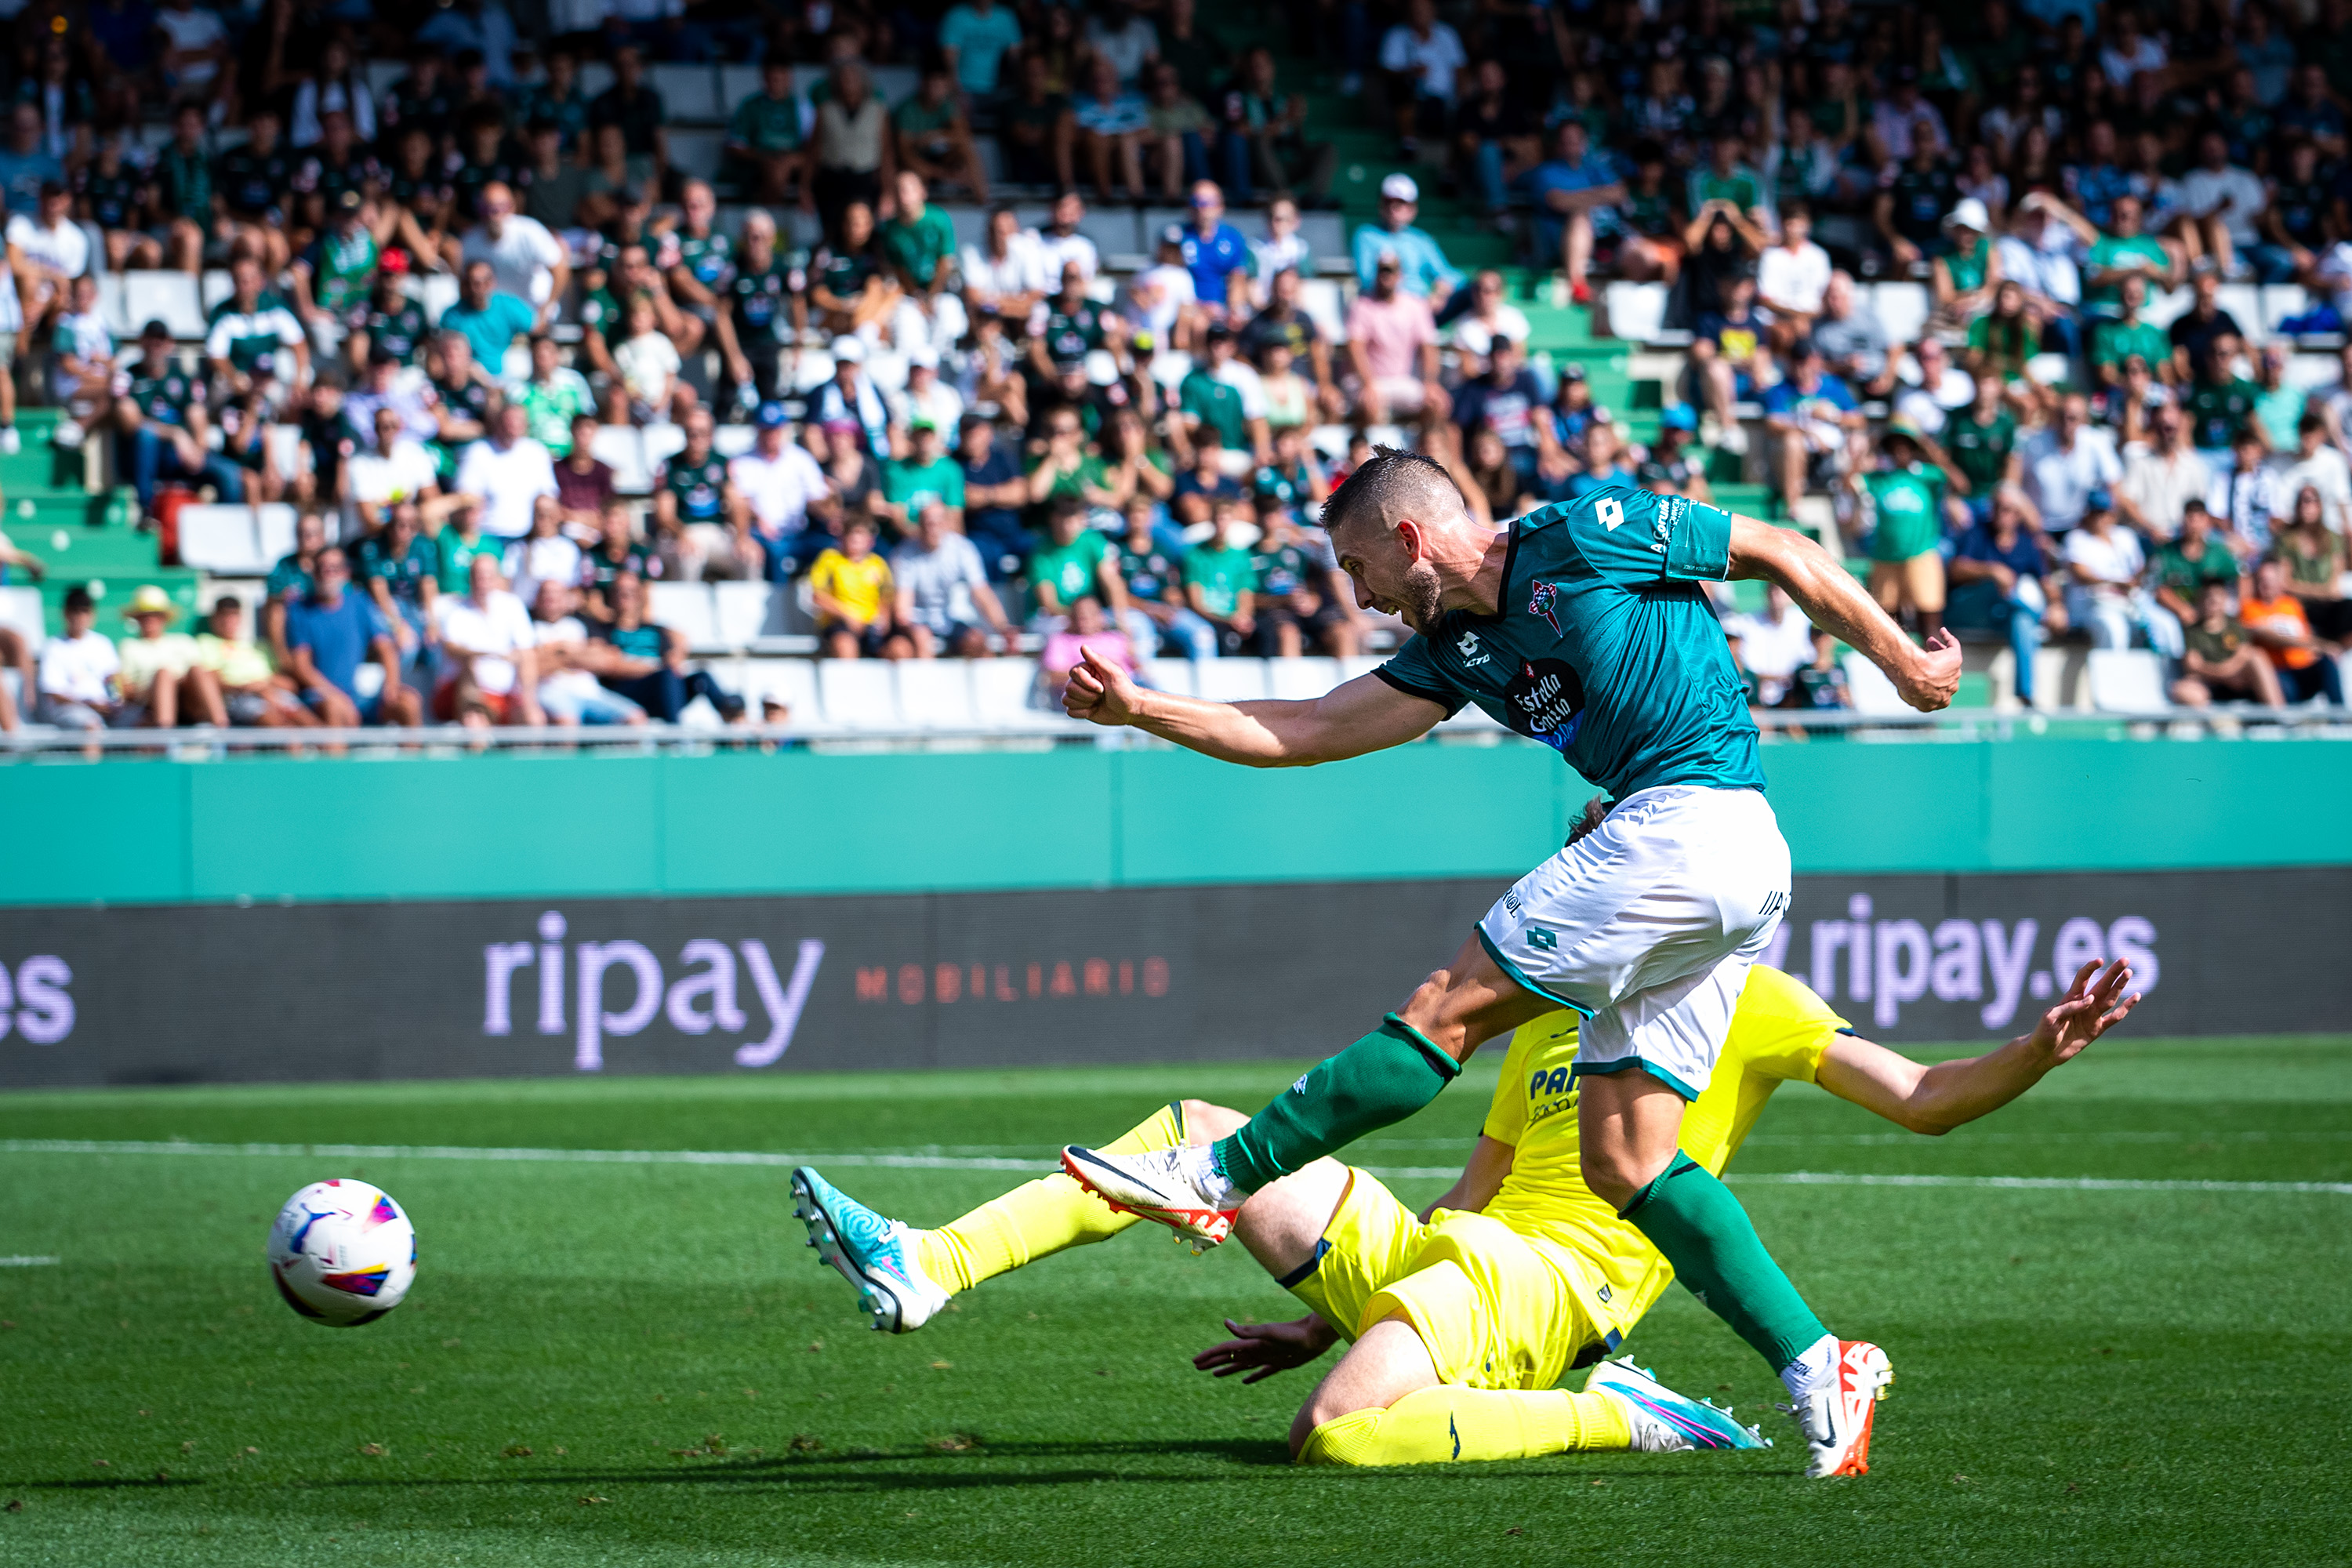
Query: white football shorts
1648, 926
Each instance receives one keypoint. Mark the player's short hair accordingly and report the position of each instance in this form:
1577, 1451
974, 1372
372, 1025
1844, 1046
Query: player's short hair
1388, 484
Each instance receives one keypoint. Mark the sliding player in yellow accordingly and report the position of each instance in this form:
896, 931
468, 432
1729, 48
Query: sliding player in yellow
1465, 1317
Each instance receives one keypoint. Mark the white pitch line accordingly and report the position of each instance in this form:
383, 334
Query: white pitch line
21, 1261
927, 1162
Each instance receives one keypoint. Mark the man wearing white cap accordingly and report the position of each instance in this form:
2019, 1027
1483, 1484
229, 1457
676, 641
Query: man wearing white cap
1964, 278
1421, 267
849, 405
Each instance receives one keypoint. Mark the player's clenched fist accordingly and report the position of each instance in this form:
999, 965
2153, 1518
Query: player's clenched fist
1098, 692
1930, 679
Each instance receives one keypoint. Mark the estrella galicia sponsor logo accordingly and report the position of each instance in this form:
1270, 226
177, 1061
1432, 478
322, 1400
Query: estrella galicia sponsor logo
1545, 602
1471, 652
1549, 699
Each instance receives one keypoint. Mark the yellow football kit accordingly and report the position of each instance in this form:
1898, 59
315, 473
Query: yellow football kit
1513, 1296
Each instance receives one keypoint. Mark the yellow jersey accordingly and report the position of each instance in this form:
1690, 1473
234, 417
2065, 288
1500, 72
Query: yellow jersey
859, 587
1780, 1031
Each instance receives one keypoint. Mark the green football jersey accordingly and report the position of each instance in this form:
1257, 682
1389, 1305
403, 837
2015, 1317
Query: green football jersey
1603, 647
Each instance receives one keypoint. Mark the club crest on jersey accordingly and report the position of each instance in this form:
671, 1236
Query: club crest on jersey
1545, 602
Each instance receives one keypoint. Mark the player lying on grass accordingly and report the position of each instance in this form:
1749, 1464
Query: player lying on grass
1466, 1316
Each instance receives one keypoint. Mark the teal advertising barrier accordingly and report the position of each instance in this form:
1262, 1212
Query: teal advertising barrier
522, 826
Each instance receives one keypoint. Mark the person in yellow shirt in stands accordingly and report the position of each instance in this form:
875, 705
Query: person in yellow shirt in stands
1465, 1316
160, 678
251, 690
854, 593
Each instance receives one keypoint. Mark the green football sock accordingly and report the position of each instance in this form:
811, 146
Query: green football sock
1382, 1079
1695, 1221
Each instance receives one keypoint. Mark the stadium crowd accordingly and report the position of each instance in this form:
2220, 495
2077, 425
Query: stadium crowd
969, 448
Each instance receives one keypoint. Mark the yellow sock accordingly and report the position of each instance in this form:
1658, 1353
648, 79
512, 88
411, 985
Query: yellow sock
1435, 1425
1036, 1219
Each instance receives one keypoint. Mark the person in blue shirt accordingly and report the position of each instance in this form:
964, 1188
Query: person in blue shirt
2001, 583
1425, 269
332, 631
1808, 416
489, 317
25, 163
1217, 256
973, 36
1577, 193
1585, 626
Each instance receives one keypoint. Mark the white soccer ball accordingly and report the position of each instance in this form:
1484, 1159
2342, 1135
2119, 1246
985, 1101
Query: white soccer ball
343, 1253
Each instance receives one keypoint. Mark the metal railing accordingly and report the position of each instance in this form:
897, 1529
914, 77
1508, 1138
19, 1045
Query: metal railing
207, 742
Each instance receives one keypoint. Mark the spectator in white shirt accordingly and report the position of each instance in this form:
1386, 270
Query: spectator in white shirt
491, 673
2065, 463
51, 251
509, 472
1059, 243
2127, 51
1123, 38
569, 691
526, 260
1793, 275
78, 672
2321, 467
2223, 201
1774, 646
1932, 388
398, 470
2104, 562
1421, 55
1491, 315
775, 483
2162, 479
545, 554
1004, 268
943, 592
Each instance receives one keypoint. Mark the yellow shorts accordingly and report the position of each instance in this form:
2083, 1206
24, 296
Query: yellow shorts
1495, 1309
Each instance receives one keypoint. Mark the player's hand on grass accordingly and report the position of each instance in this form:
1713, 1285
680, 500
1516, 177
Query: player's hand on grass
1099, 692
1261, 1350
2094, 1004
1929, 682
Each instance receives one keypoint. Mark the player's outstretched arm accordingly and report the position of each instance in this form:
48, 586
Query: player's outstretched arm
1481, 1179
1827, 593
1261, 1350
1935, 1100
1366, 714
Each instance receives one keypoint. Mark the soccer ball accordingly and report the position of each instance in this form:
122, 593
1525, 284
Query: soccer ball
342, 1253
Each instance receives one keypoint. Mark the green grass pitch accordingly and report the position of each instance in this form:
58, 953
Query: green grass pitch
640, 1363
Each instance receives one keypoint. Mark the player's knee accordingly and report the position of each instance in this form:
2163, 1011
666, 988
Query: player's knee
1615, 1175
1205, 1123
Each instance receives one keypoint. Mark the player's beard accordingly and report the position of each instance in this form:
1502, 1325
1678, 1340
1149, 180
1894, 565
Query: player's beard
1420, 598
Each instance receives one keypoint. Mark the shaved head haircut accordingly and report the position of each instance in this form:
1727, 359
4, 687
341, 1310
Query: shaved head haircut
1388, 485
1361, 518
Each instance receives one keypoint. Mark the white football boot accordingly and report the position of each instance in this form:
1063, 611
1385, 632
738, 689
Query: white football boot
1177, 1187
1835, 1417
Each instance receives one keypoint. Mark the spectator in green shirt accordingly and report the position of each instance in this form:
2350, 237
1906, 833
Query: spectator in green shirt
2184, 566
1220, 586
2127, 336
1906, 497
920, 242
2124, 253
932, 137
930, 475
553, 396
767, 142
1225, 395
1080, 562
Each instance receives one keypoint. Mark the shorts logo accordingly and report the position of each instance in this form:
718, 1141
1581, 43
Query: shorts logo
1300, 1087
1603, 1293
1511, 901
1545, 602
1538, 937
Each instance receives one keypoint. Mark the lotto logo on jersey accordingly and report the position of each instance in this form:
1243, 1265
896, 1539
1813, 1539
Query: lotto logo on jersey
1551, 698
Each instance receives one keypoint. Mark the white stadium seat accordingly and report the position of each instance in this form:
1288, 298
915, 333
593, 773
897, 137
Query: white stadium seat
595, 75
1903, 309
740, 612
734, 440
20, 610
689, 94
168, 296
1322, 299
1637, 312
697, 152
1300, 680
2166, 305
1232, 679
935, 693
217, 286
1003, 696
1873, 693
2283, 302
736, 83
662, 442
437, 293
858, 693
789, 681
228, 540
686, 608
2244, 301
1360, 665
1172, 675
623, 448
2127, 680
